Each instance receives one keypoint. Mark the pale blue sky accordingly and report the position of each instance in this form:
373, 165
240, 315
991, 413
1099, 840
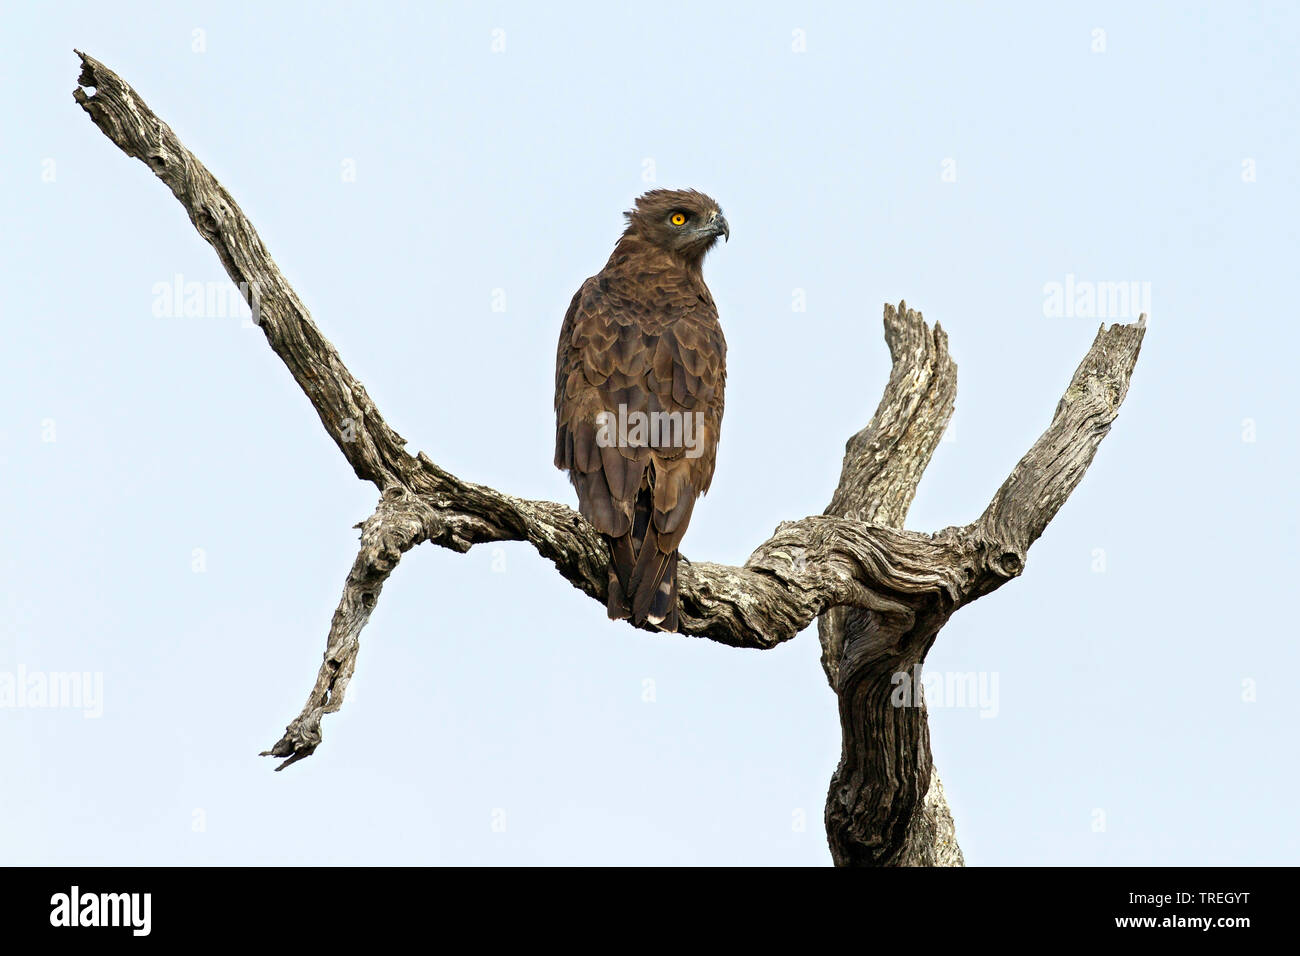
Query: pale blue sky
488, 689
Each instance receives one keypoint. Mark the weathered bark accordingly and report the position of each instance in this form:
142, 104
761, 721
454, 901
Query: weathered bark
881, 593
877, 811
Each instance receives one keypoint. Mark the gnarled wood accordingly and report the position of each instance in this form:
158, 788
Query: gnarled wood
877, 811
881, 593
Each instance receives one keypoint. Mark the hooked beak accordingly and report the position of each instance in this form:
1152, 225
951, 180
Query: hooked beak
718, 223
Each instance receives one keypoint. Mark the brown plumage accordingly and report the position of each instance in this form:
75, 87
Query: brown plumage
639, 379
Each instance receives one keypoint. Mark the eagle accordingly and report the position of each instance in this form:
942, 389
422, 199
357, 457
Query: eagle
639, 377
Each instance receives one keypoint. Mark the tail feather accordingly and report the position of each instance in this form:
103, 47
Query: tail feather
642, 578
663, 607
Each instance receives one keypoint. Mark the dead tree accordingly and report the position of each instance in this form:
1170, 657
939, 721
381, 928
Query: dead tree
879, 594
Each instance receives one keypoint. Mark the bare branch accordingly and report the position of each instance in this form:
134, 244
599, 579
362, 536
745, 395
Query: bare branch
882, 593
884, 462
399, 522
1054, 466
374, 450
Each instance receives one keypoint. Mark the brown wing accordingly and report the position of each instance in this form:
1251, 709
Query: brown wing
637, 341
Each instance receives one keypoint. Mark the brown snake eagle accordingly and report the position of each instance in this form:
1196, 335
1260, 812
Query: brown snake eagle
639, 378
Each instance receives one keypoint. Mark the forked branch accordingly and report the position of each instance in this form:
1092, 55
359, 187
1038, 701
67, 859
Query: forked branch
882, 593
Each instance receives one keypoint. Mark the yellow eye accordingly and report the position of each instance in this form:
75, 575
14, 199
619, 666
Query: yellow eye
679, 219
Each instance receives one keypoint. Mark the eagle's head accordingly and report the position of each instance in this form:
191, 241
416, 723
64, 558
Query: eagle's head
681, 221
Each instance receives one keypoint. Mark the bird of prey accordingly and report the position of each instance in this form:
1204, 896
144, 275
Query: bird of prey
639, 378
